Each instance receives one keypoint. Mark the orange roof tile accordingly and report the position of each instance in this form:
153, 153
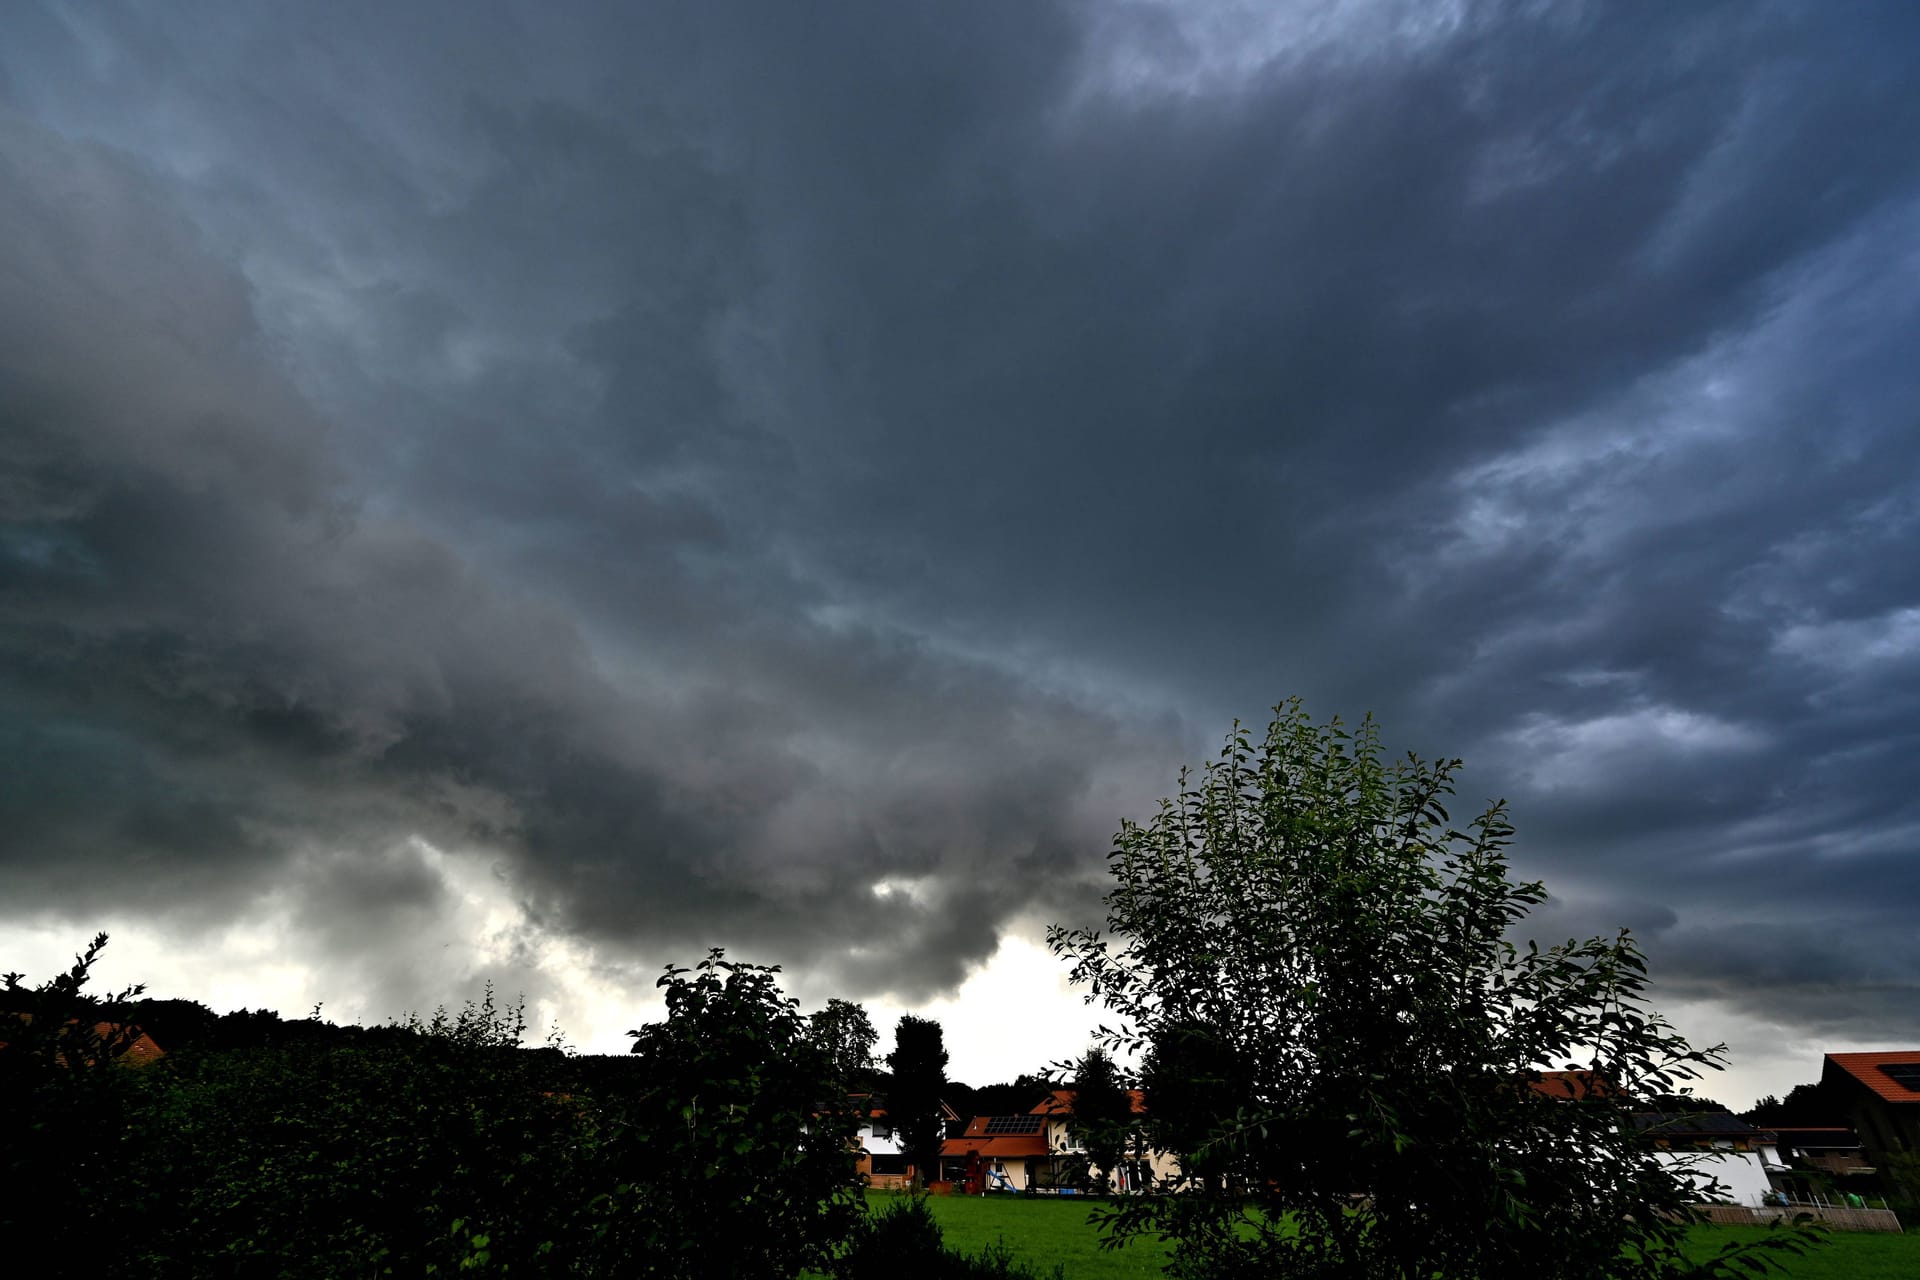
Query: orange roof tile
137, 1052
1059, 1102
1865, 1067
1002, 1147
1572, 1085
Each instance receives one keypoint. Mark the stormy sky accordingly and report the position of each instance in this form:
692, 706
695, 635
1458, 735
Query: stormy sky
533, 492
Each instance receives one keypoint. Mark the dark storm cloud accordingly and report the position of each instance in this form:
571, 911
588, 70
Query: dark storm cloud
223, 665
719, 460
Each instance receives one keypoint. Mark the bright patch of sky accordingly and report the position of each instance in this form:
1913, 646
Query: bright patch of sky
1182, 48
1569, 755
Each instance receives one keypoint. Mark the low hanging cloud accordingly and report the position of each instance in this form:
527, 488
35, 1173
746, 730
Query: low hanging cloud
235, 673
794, 477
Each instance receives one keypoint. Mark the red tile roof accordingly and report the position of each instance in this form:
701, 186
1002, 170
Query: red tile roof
989, 1136
1059, 1102
1573, 1086
137, 1052
1005, 1146
1865, 1067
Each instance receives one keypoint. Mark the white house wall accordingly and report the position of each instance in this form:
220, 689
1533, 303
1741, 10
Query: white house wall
877, 1146
1742, 1176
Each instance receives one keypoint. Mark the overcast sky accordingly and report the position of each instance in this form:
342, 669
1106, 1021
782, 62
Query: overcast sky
535, 492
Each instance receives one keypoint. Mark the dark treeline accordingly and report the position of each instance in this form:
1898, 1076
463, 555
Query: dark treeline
265, 1146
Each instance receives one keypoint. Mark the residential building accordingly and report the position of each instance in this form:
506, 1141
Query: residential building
1713, 1146
1037, 1151
883, 1160
1881, 1094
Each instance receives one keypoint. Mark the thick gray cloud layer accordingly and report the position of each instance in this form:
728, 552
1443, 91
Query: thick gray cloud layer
714, 459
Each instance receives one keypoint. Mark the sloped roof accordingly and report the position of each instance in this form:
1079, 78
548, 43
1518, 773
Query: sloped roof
137, 1052
1700, 1124
1002, 1137
1866, 1068
1002, 1146
1059, 1102
1572, 1086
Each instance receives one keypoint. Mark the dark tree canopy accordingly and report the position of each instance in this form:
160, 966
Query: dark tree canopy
739, 1150
1806, 1105
919, 1066
1338, 1035
1102, 1113
1007, 1098
845, 1034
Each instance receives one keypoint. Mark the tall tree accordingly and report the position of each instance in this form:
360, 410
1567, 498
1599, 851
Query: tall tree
845, 1034
1102, 1120
1304, 926
1194, 1083
739, 1104
919, 1066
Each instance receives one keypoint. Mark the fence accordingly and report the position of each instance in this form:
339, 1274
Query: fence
1838, 1216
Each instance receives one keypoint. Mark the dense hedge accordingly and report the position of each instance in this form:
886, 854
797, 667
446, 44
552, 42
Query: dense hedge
301, 1149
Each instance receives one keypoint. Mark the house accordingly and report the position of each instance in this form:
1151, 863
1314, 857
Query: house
1141, 1168
1823, 1160
1713, 1146
883, 1161
1013, 1150
131, 1046
1881, 1094
1037, 1152
1709, 1146
1830, 1149
1572, 1086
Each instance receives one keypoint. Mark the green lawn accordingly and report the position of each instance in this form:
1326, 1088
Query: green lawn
1847, 1255
1044, 1232
1047, 1232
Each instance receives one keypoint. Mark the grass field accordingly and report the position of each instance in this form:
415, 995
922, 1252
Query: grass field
1047, 1232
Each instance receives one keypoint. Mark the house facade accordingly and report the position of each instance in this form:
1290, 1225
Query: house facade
1708, 1147
1715, 1147
883, 1160
1037, 1151
1881, 1093
1008, 1153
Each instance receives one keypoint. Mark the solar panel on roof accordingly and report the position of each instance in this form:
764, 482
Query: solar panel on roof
1904, 1074
1001, 1125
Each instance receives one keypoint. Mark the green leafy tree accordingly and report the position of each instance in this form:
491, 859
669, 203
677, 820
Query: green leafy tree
1316, 964
845, 1034
735, 1153
1194, 1084
1102, 1119
1809, 1105
919, 1066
